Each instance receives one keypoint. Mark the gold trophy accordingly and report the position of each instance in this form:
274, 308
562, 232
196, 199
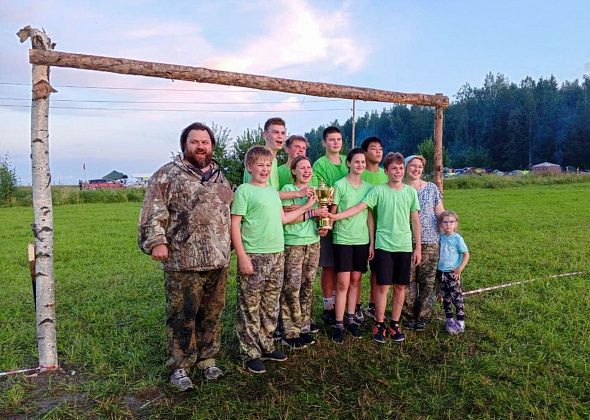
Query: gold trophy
324, 195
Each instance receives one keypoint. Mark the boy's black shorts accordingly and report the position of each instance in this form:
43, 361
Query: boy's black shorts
392, 267
326, 251
350, 258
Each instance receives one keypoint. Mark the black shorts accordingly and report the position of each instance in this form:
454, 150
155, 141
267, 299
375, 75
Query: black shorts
326, 251
350, 258
393, 267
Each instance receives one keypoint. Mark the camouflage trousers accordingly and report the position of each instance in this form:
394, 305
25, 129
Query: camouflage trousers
451, 295
258, 304
194, 303
301, 264
418, 303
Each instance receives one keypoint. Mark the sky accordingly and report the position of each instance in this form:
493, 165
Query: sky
132, 123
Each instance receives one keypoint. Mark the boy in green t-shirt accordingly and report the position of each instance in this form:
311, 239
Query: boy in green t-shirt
329, 168
397, 207
257, 236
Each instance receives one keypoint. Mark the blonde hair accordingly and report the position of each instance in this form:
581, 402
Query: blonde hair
256, 152
420, 158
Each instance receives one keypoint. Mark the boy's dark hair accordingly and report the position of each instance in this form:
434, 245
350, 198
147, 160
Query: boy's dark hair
195, 126
330, 130
295, 137
353, 152
367, 142
297, 160
393, 157
256, 152
274, 121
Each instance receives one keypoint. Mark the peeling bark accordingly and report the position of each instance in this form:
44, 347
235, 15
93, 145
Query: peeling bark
438, 149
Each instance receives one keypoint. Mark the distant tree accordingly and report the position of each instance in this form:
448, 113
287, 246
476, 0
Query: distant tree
8, 180
426, 149
241, 145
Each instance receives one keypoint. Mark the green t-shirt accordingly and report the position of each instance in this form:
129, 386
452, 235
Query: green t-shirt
352, 230
273, 179
262, 227
328, 171
374, 178
393, 232
299, 233
285, 176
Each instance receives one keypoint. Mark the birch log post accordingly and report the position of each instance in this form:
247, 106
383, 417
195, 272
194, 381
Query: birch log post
42, 205
438, 148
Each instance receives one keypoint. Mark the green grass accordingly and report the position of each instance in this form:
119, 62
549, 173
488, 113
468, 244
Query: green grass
524, 353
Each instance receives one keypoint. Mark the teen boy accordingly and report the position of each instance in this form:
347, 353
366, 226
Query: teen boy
396, 204
257, 221
330, 168
295, 146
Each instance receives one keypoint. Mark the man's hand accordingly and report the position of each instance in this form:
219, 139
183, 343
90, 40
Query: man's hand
160, 252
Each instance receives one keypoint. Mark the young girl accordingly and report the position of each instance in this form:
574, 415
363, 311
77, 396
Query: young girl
353, 244
302, 256
454, 256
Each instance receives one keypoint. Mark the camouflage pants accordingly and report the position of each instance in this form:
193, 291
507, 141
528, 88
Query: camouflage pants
301, 264
418, 303
194, 303
452, 295
258, 304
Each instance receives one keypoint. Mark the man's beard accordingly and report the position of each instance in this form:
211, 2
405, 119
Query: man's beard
200, 161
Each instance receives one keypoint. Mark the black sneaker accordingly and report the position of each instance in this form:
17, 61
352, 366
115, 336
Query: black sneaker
294, 343
396, 334
420, 325
370, 313
314, 328
255, 366
277, 335
379, 333
275, 356
329, 316
353, 329
338, 334
307, 339
410, 325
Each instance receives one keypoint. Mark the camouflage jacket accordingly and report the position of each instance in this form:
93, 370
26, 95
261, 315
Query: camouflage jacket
189, 214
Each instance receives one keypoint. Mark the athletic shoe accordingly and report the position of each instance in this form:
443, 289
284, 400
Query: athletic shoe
180, 380
379, 334
314, 328
338, 334
212, 372
275, 356
294, 343
307, 339
370, 313
451, 327
255, 366
353, 329
410, 325
329, 316
460, 329
420, 325
277, 335
396, 334
359, 317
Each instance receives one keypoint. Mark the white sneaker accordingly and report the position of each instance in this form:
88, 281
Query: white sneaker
180, 380
460, 329
451, 327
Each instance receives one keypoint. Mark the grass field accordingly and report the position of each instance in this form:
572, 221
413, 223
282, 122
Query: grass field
524, 354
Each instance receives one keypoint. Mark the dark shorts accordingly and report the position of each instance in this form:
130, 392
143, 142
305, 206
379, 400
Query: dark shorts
350, 258
326, 251
392, 267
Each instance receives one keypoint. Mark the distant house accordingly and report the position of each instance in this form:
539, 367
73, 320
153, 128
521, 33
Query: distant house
546, 168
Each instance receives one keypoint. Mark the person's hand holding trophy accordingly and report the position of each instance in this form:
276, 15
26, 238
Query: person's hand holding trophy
324, 195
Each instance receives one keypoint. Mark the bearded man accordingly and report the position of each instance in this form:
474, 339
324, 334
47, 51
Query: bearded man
185, 224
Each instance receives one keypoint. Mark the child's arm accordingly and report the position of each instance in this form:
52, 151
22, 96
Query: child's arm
307, 191
456, 273
371, 224
348, 212
244, 263
292, 216
415, 219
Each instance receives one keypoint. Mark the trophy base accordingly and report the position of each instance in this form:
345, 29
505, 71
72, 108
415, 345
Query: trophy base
325, 224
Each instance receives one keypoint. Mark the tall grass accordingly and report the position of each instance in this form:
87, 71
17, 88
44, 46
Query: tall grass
524, 353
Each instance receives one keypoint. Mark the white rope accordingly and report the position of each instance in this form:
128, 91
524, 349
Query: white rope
502, 286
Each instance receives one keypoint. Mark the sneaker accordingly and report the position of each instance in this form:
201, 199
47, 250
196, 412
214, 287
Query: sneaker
294, 343
329, 316
313, 327
180, 380
460, 329
370, 313
396, 334
420, 325
277, 335
338, 334
379, 333
255, 366
410, 325
212, 372
275, 356
307, 339
451, 327
353, 329
359, 316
